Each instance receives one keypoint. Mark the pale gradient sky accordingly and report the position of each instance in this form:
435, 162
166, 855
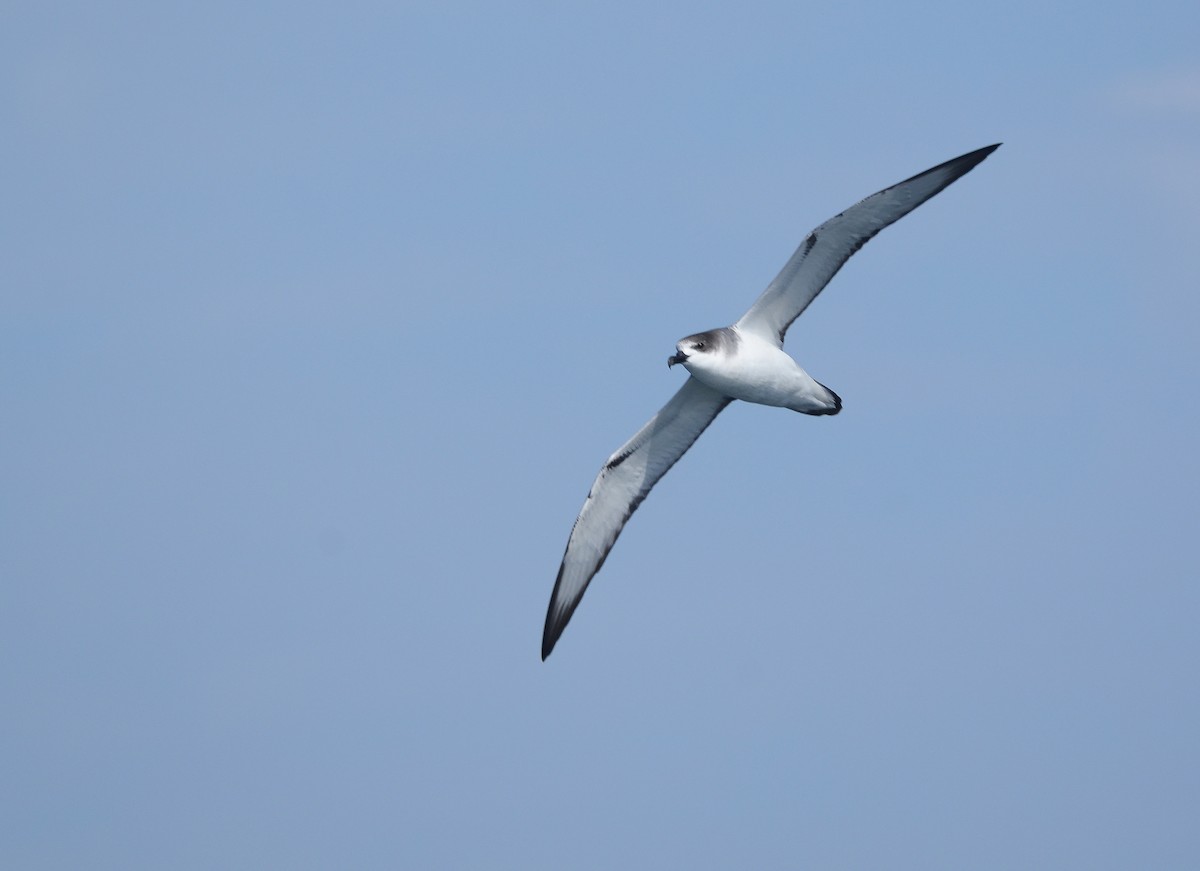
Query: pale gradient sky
316, 324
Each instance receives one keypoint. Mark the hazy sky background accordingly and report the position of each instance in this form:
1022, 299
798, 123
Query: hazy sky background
316, 323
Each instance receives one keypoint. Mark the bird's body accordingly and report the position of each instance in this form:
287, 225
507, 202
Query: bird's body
743, 361
748, 367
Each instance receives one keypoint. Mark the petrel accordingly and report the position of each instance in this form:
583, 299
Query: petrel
745, 361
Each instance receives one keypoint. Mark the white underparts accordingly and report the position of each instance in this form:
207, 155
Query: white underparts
755, 370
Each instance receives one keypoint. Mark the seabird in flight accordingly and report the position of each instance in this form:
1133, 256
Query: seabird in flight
745, 361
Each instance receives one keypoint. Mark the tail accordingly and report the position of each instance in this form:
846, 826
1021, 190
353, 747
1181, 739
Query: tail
830, 403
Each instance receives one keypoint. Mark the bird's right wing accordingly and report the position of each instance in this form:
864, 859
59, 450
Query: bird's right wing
827, 248
619, 489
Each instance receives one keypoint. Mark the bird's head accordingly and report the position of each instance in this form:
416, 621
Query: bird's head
701, 348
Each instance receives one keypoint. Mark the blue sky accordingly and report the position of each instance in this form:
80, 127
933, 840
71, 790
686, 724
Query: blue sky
316, 324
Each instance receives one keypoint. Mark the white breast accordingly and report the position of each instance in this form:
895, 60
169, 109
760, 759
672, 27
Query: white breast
757, 371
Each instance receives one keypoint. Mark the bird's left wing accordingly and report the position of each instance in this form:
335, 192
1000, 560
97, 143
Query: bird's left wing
827, 248
624, 481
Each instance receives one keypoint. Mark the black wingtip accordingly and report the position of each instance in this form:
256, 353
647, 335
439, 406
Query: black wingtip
550, 638
556, 621
960, 166
972, 159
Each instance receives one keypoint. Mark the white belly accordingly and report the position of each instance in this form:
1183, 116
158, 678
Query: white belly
760, 372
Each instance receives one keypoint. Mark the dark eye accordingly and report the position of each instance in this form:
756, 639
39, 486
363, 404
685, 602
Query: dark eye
699, 346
